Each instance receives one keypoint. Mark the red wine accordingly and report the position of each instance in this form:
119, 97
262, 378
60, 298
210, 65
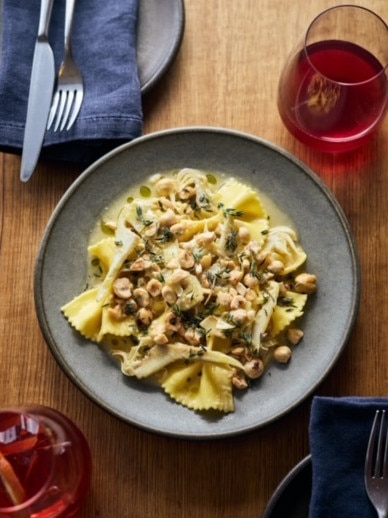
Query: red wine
334, 109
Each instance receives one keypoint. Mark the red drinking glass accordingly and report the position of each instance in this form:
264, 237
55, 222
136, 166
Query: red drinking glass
45, 464
333, 90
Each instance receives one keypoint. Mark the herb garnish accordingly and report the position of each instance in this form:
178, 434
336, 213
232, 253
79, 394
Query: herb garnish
141, 218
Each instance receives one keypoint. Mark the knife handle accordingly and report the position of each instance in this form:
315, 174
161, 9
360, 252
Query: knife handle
46, 7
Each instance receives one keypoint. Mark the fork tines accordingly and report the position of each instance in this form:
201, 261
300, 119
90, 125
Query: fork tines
377, 448
64, 109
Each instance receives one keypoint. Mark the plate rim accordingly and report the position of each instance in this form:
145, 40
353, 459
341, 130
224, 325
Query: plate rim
356, 277
292, 475
179, 19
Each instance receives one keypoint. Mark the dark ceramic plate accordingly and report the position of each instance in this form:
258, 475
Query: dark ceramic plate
291, 498
324, 233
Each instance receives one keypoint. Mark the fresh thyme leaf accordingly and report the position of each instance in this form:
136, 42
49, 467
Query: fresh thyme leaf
148, 247
198, 255
246, 337
165, 235
231, 241
141, 218
229, 318
204, 201
286, 302
254, 271
233, 213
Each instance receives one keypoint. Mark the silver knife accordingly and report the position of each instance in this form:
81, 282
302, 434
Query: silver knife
40, 94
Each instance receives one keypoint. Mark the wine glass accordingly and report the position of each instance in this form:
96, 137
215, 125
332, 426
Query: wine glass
45, 463
333, 90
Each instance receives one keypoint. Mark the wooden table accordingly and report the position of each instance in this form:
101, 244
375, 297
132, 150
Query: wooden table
225, 75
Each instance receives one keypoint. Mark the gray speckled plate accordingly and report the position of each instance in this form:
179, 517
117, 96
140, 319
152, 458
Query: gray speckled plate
325, 235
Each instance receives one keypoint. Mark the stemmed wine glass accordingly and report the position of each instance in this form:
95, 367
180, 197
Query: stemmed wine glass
333, 90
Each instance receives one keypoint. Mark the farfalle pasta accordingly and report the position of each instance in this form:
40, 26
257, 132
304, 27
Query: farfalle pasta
194, 288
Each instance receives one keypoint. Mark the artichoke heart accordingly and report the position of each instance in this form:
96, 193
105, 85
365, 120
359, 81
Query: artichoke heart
282, 244
160, 356
191, 295
264, 315
125, 242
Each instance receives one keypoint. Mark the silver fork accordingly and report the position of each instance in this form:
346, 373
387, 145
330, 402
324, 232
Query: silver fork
376, 465
69, 93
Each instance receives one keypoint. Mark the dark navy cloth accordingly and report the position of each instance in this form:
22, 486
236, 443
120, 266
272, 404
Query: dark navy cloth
339, 434
104, 47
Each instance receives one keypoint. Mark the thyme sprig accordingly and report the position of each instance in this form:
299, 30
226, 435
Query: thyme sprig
230, 212
231, 242
140, 217
165, 235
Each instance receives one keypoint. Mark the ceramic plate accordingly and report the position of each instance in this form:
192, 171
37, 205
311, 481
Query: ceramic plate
292, 497
324, 233
160, 32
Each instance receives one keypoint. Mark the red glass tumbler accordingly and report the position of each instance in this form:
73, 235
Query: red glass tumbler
45, 464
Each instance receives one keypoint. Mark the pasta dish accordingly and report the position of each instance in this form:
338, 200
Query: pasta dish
193, 287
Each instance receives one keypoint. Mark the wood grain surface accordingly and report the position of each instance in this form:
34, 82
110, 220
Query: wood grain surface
225, 75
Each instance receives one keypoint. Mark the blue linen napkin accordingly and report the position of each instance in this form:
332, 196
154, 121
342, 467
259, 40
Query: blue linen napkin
339, 434
104, 47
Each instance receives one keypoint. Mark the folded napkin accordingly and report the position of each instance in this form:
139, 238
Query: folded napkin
104, 47
339, 434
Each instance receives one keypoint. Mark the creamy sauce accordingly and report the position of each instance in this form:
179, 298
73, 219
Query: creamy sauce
275, 213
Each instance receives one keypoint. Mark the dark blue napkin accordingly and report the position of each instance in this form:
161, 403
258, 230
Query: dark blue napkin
104, 47
339, 434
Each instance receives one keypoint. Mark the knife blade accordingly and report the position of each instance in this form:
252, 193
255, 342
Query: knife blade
40, 94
